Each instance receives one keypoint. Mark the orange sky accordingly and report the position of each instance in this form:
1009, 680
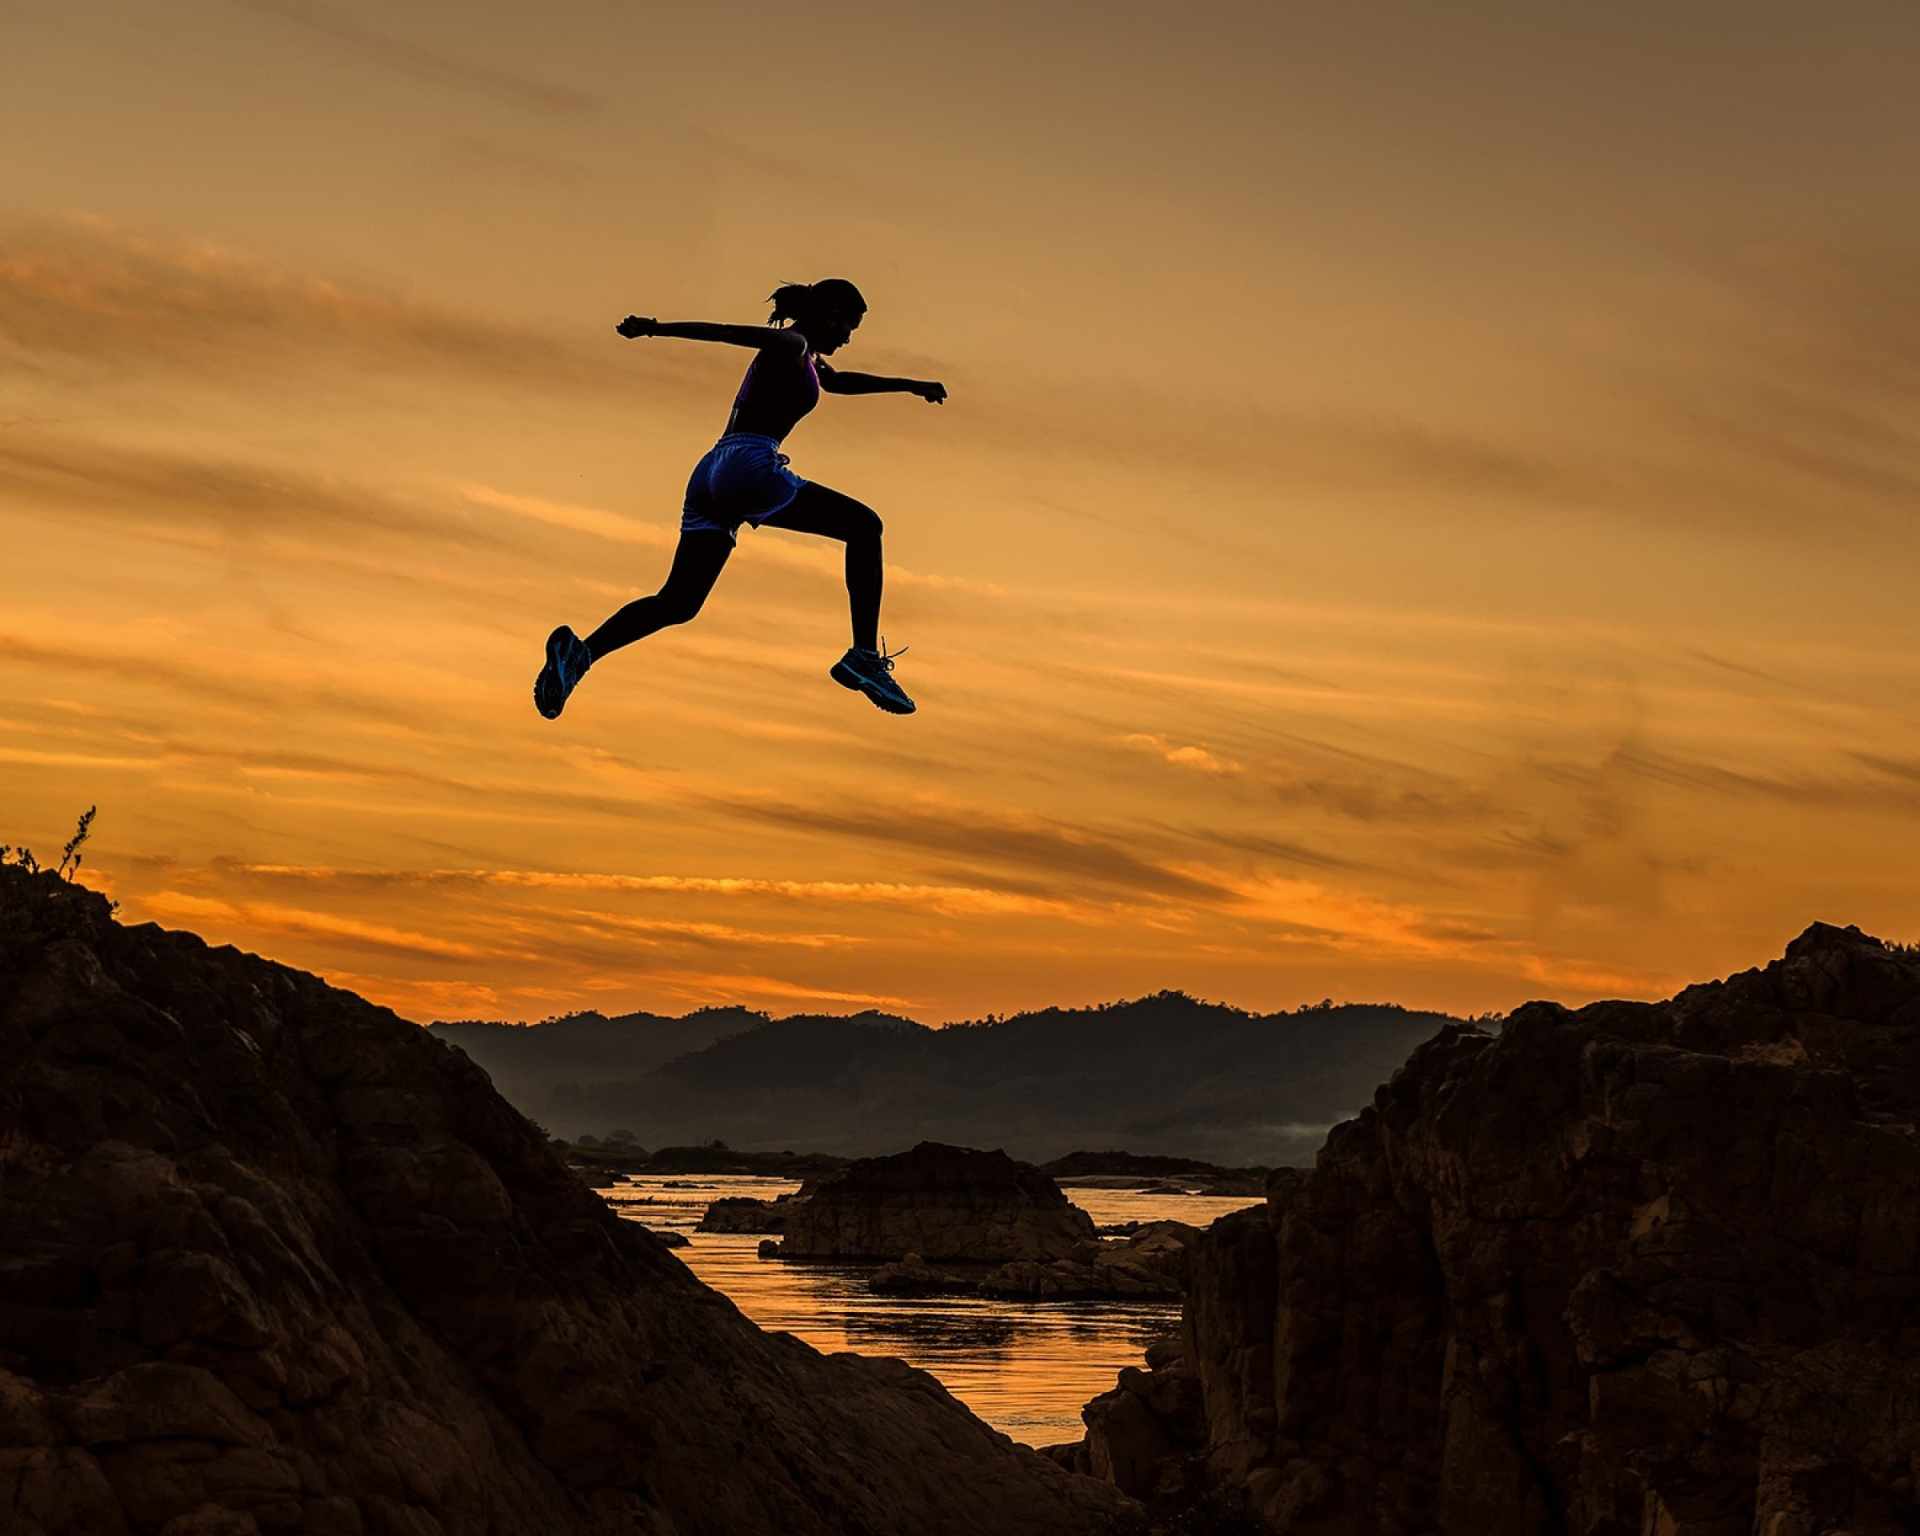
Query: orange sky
1425, 510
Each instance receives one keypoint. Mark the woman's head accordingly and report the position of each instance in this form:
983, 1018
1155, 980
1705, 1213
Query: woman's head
825, 312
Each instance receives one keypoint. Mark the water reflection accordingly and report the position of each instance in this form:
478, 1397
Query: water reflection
1026, 1367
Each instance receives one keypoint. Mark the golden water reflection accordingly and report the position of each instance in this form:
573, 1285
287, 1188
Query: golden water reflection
1027, 1368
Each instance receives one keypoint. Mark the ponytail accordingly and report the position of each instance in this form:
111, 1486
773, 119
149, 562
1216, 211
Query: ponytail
801, 301
790, 302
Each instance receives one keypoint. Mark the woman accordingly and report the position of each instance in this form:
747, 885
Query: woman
744, 479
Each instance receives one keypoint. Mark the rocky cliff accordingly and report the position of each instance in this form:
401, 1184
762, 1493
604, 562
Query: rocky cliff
940, 1202
1631, 1268
272, 1259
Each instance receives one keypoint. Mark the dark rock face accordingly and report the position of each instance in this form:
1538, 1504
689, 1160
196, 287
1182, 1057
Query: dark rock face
743, 1213
943, 1203
1635, 1267
1150, 1265
274, 1260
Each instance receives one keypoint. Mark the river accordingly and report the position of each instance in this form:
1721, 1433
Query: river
1026, 1367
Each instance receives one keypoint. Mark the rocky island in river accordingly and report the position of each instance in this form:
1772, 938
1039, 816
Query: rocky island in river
941, 1219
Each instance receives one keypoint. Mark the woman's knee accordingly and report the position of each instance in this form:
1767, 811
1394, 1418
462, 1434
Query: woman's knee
867, 524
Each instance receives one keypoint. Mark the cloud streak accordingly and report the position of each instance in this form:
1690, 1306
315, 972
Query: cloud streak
1191, 756
269, 917
1065, 851
73, 291
167, 495
947, 900
432, 66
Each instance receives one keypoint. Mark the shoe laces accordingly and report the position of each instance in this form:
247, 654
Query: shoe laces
885, 658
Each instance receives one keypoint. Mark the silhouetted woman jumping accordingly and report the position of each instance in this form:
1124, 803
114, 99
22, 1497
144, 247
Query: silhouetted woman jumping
744, 479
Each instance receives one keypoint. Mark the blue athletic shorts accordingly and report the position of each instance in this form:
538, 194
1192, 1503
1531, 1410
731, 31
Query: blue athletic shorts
743, 478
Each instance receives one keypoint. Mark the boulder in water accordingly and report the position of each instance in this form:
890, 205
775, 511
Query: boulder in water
947, 1204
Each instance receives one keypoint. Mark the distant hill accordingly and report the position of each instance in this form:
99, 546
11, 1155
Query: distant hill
530, 1062
1165, 1074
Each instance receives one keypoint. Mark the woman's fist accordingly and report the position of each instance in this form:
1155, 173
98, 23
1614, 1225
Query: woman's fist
933, 394
637, 325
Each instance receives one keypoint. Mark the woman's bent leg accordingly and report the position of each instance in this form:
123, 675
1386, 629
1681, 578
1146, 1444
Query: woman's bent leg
819, 509
697, 563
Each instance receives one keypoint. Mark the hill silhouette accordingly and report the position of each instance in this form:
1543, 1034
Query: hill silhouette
1164, 1074
527, 1061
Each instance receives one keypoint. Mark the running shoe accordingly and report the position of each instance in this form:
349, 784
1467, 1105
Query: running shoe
868, 672
567, 661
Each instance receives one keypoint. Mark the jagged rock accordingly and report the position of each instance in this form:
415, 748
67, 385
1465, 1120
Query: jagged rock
1150, 1264
944, 1203
1627, 1268
1166, 1351
1148, 1435
274, 1260
914, 1276
744, 1214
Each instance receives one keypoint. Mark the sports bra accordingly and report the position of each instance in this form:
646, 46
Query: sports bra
772, 399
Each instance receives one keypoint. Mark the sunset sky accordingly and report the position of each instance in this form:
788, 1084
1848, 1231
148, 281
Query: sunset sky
1425, 510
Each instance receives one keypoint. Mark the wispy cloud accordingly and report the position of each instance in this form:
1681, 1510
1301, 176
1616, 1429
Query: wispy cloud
1899, 768
947, 900
1191, 755
173, 495
573, 516
205, 684
268, 917
1261, 846
699, 986
1799, 789
1071, 853
1794, 393
716, 934
208, 315
1314, 913
431, 65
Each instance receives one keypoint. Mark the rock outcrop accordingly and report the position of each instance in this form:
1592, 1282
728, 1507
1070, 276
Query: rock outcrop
1159, 1175
1627, 1268
274, 1260
745, 1214
943, 1203
1149, 1265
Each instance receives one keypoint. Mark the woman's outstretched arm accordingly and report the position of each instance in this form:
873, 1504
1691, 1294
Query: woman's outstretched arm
761, 337
834, 381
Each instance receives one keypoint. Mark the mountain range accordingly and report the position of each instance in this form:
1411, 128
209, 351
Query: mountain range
1163, 1074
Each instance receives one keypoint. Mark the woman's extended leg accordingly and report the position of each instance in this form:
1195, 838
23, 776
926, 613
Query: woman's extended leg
697, 563
816, 508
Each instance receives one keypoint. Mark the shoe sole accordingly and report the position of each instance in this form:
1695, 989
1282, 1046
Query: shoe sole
546, 687
846, 677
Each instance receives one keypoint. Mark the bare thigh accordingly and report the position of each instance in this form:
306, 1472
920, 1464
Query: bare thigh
820, 509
